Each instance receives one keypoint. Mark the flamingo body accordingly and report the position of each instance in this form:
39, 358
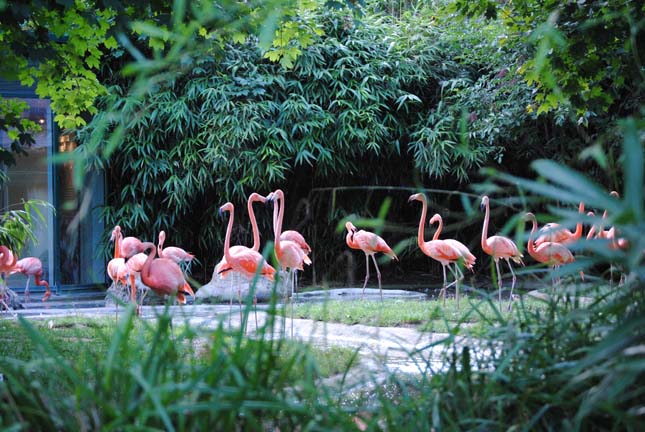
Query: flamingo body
32, 266
163, 276
553, 232
174, 253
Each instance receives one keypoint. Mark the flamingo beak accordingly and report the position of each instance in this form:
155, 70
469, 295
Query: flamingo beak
482, 207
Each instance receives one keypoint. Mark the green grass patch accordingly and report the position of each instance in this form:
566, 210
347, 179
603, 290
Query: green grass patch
474, 315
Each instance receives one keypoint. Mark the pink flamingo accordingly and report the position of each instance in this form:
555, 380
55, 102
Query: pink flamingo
370, 244
223, 267
129, 245
291, 254
162, 275
553, 232
245, 261
553, 254
135, 265
32, 266
291, 235
116, 268
7, 262
447, 251
499, 247
176, 254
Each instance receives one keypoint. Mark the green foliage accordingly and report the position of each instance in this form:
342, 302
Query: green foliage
586, 56
19, 130
17, 226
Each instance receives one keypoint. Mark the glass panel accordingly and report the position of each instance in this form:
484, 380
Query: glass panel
79, 226
29, 179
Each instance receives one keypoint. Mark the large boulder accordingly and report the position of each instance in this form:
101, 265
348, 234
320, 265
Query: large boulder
223, 289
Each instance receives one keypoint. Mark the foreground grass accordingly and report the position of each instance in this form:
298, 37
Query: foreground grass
72, 337
474, 316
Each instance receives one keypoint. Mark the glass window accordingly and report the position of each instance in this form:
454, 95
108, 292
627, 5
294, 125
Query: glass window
30, 178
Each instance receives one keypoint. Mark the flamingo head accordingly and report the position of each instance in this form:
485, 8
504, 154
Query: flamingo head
484, 202
350, 227
116, 232
614, 194
162, 236
228, 207
257, 197
417, 197
275, 195
529, 217
435, 218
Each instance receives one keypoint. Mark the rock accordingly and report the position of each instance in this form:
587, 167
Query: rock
9, 299
223, 289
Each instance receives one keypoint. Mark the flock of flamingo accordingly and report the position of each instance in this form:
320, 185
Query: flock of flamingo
160, 270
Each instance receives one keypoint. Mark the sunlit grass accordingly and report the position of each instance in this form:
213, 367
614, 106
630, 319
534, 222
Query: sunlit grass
473, 316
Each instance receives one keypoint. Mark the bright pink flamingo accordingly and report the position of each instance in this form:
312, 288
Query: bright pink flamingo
499, 247
245, 261
553, 232
32, 266
552, 254
162, 275
370, 244
445, 251
7, 262
176, 254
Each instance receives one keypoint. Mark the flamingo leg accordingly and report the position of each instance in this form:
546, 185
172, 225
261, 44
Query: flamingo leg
510, 299
27, 296
445, 286
378, 276
367, 274
458, 277
293, 283
133, 293
499, 281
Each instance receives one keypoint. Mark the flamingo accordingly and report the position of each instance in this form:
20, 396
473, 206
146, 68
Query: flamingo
162, 275
291, 254
614, 243
128, 245
176, 254
7, 262
223, 267
245, 261
499, 247
32, 266
291, 235
553, 254
445, 251
553, 232
116, 268
135, 265
370, 244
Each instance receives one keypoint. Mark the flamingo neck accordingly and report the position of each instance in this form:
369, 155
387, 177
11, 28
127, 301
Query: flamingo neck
578, 232
117, 245
278, 222
254, 226
422, 222
162, 240
227, 239
439, 228
145, 270
530, 247
484, 245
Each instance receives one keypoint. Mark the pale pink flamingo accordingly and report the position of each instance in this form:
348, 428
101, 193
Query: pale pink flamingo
370, 244
553, 232
174, 253
445, 251
499, 247
162, 275
552, 254
129, 245
291, 254
291, 235
32, 266
245, 261
116, 268
135, 265
7, 262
